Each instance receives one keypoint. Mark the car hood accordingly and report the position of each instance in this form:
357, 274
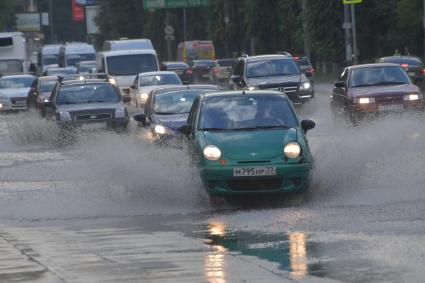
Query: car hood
148, 89
259, 145
387, 90
124, 81
264, 81
173, 122
14, 92
89, 106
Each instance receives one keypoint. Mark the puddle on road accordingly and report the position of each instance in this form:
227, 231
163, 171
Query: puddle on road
297, 252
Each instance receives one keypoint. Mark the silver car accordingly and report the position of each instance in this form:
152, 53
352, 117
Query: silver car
14, 91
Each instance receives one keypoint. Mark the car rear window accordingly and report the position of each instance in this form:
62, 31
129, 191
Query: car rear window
402, 60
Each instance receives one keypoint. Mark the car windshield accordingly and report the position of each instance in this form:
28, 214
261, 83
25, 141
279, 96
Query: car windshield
127, 65
271, 67
246, 112
72, 60
177, 67
86, 68
174, 102
87, 93
50, 60
204, 63
24, 82
10, 66
225, 63
47, 85
303, 62
87, 57
372, 76
160, 79
60, 71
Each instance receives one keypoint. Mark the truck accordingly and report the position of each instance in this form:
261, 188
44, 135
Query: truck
13, 53
127, 44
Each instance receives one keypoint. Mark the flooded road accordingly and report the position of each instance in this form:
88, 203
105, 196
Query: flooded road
113, 208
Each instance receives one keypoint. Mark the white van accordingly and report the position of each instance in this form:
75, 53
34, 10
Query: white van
72, 53
127, 44
123, 66
13, 53
48, 55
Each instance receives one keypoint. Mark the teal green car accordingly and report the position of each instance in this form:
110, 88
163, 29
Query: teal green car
249, 142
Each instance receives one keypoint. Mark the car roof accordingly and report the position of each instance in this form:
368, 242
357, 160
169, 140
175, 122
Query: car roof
170, 88
400, 57
245, 92
268, 56
17, 76
86, 81
128, 52
157, 73
373, 65
47, 78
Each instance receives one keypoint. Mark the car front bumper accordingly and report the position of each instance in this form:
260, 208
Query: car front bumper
219, 180
113, 124
8, 105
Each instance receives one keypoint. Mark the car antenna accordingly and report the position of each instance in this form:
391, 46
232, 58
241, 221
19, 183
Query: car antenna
243, 92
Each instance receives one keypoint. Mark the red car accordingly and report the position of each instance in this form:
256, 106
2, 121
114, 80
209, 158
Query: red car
374, 89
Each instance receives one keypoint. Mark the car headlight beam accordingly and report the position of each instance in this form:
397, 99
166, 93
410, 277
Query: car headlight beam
162, 130
211, 152
292, 150
305, 85
365, 100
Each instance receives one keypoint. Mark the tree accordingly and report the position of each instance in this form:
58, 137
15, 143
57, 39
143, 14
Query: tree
7, 14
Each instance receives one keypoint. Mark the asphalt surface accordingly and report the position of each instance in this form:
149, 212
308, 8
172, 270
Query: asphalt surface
114, 208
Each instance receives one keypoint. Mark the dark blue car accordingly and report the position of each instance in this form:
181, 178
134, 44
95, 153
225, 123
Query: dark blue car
167, 109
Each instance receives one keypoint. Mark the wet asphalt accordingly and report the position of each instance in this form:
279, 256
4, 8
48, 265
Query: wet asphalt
115, 208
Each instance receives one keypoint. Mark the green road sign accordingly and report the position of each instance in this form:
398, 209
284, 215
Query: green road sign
170, 4
346, 2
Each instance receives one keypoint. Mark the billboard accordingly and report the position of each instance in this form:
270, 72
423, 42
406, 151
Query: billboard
77, 12
28, 22
91, 13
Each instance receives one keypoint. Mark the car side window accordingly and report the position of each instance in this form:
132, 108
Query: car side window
192, 116
136, 81
148, 105
344, 76
53, 93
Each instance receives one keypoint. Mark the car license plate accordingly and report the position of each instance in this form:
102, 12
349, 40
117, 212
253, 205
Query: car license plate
412, 74
254, 171
205, 75
390, 107
93, 126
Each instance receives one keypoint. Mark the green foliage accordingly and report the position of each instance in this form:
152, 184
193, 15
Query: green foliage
7, 19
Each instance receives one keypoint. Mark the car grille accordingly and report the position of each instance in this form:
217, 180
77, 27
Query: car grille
254, 185
93, 117
125, 91
19, 100
389, 100
282, 87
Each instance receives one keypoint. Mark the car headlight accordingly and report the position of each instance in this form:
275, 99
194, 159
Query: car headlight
120, 112
211, 152
65, 116
292, 150
305, 86
365, 100
162, 130
253, 88
412, 97
113, 81
144, 96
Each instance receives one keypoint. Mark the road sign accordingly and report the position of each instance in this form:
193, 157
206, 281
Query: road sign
347, 2
170, 4
169, 37
169, 30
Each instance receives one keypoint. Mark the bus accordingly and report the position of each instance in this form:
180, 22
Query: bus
72, 53
188, 51
13, 53
48, 55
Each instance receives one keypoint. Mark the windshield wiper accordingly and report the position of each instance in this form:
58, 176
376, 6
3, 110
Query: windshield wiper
166, 113
272, 127
214, 129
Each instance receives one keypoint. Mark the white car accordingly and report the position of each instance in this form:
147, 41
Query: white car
14, 91
144, 83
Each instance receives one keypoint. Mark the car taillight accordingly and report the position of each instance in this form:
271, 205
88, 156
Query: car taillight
189, 71
215, 70
423, 71
404, 66
312, 70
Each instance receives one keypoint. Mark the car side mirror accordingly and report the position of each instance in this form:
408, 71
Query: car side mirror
307, 125
340, 84
133, 87
141, 117
48, 104
126, 99
418, 80
185, 130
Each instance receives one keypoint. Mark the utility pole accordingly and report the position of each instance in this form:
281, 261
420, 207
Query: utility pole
306, 41
167, 22
184, 25
52, 39
347, 26
353, 26
423, 25
226, 20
